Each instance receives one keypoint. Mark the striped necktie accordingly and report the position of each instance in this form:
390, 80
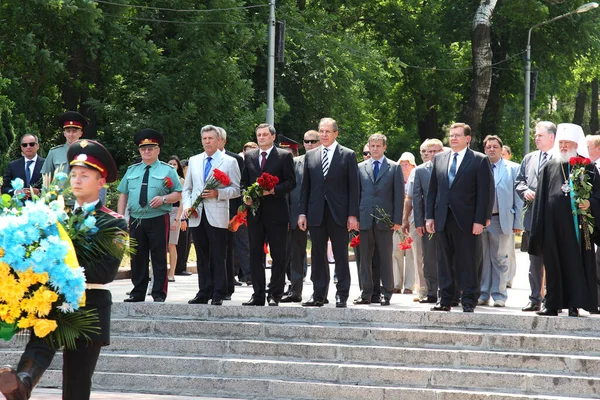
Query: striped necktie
325, 162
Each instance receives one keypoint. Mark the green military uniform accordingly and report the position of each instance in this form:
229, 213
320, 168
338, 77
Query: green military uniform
132, 182
56, 160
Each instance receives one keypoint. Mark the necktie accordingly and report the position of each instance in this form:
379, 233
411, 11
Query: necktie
375, 169
452, 173
263, 160
543, 161
144, 190
28, 173
325, 162
207, 168
495, 209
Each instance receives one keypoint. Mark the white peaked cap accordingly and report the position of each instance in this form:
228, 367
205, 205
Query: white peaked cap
572, 133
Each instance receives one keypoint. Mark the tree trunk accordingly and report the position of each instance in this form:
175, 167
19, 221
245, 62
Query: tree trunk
482, 66
580, 101
427, 123
594, 123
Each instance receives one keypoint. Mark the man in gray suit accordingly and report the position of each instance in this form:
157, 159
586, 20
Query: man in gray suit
381, 185
526, 185
506, 220
298, 237
417, 201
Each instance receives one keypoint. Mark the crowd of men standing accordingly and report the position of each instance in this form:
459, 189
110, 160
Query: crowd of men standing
461, 208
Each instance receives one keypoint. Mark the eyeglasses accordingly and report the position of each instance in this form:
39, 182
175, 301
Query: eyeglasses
30, 144
148, 148
455, 136
311, 141
366, 153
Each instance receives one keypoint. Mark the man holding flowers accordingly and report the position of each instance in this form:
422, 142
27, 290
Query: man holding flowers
565, 207
213, 178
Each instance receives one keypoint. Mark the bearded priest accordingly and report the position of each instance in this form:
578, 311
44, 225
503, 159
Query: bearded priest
559, 232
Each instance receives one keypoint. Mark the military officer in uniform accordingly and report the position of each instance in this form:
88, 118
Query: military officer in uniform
91, 167
147, 191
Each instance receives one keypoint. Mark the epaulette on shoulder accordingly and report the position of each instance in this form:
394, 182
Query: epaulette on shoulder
111, 212
133, 165
56, 147
164, 163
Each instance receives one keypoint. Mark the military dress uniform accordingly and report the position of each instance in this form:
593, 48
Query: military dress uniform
79, 363
148, 226
56, 160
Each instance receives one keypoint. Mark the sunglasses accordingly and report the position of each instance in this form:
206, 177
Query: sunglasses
30, 144
311, 141
366, 153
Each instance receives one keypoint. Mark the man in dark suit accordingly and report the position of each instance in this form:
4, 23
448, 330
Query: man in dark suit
298, 237
270, 223
382, 186
233, 207
27, 167
459, 206
329, 208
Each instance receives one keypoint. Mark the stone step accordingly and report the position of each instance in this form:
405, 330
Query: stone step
383, 336
216, 377
355, 316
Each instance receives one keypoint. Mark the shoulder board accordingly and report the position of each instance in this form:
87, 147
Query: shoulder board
111, 212
57, 147
164, 163
133, 165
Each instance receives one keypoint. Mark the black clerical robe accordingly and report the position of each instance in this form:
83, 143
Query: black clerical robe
570, 268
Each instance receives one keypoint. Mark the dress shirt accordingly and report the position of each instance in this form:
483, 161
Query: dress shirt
459, 158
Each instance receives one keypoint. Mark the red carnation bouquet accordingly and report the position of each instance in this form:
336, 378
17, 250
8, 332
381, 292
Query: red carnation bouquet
168, 183
251, 199
582, 190
219, 178
355, 239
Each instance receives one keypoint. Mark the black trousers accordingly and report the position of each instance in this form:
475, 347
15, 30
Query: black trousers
320, 273
210, 244
229, 260
151, 235
458, 255
183, 251
276, 236
297, 239
78, 365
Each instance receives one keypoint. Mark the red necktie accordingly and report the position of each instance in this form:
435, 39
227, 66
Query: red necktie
264, 160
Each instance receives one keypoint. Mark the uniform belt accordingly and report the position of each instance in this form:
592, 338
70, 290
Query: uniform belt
101, 286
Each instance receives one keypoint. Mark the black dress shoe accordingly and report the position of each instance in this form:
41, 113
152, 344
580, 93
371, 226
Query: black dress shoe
325, 301
385, 302
455, 303
227, 297
573, 312
132, 299
376, 299
198, 300
340, 304
550, 312
428, 299
183, 273
312, 303
360, 300
159, 300
440, 307
468, 308
216, 302
290, 298
273, 302
254, 301
531, 307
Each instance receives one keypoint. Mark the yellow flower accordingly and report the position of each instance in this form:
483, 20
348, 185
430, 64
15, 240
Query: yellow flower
41, 302
11, 290
27, 321
43, 327
4, 269
29, 278
1, 252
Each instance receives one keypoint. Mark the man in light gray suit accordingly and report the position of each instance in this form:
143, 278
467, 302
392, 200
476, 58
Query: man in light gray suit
298, 237
526, 185
506, 220
419, 194
209, 222
381, 186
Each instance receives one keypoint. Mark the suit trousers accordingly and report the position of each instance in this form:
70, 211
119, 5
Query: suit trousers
536, 278
494, 275
458, 254
229, 260
376, 241
242, 253
210, 253
512, 259
78, 365
296, 259
320, 273
183, 251
430, 264
276, 236
151, 235
417, 252
598, 268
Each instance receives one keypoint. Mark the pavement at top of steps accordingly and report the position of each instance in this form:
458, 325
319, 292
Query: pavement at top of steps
55, 394
185, 288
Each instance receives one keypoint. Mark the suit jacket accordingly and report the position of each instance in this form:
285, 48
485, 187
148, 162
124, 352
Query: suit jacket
510, 205
471, 195
386, 192
217, 209
236, 202
295, 193
340, 188
528, 179
420, 190
16, 169
273, 209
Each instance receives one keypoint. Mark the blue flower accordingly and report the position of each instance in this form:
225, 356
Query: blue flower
90, 222
17, 184
61, 177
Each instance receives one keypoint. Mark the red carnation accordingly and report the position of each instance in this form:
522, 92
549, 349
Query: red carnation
355, 241
267, 181
221, 177
573, 161
586, 161
168, 183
